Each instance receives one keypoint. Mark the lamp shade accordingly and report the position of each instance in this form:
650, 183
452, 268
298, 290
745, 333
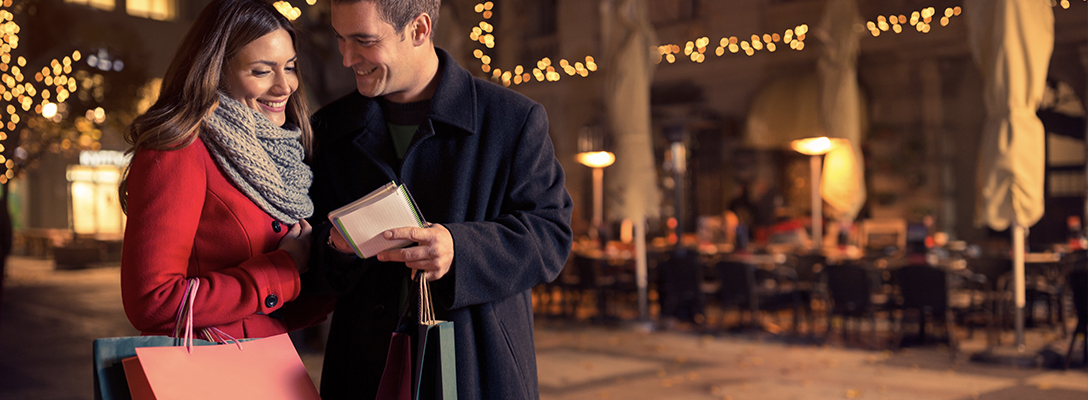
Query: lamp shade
596, 159
812, 146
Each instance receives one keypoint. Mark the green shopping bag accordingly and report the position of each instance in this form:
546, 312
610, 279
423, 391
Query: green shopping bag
436, 373
427, 368
109, 373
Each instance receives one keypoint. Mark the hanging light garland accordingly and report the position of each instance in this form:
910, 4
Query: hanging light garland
543, 70
290, 11
45, 94
1063, 3
696, 50
921, 20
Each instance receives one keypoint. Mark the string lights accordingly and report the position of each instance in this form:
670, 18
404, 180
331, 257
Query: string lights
696, 50
921, 20
542, 71
290, 11
1063, 3
23, 98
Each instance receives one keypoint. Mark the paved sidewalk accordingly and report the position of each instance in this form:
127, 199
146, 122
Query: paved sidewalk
49, 318
594, 363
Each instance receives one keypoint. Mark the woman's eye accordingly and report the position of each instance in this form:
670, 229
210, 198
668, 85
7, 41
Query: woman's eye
261, 73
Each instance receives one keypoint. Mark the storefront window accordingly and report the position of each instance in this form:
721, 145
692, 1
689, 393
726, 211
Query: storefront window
95, 207
161, 10
107, 5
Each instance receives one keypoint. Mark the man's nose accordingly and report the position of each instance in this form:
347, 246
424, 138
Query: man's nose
349, 56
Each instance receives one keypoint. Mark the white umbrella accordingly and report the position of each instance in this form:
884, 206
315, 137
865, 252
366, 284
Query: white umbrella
843, 186
633, 184
1011, 41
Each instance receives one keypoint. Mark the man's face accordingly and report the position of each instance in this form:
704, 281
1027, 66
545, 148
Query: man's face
384, 60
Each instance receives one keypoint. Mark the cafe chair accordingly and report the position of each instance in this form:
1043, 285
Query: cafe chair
754, 291
603, 284
926, 292
806, 270
558, 298
1045, 287
680, 287
1077, 280
995, 275
853, 294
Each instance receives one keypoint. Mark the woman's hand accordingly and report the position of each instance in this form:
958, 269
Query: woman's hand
297, 243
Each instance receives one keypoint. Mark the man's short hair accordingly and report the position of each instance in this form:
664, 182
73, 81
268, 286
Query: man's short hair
400, 12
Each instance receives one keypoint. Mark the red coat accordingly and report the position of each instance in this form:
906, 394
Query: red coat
186, 219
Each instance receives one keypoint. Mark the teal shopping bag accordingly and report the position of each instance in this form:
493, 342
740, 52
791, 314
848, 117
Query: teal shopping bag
421, 363
109, 373
435, 370
436, 362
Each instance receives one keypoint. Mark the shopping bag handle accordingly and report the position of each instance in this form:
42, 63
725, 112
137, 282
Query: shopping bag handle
185, 312
426, 307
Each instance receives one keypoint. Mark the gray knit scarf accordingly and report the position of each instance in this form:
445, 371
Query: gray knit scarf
263, 160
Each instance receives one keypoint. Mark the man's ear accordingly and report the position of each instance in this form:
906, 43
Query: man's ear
420, 29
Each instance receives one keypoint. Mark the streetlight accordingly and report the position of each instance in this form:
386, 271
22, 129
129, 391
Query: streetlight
814, 148
597, 160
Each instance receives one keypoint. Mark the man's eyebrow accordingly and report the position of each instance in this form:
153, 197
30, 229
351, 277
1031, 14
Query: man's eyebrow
367, 36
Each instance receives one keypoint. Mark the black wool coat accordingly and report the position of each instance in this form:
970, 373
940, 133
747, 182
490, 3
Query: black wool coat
483, 166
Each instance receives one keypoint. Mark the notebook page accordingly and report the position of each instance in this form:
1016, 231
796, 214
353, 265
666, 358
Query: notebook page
364, 226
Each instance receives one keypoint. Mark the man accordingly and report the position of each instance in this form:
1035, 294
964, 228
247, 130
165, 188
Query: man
480, 165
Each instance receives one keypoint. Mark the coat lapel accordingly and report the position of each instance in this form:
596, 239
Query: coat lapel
372, 139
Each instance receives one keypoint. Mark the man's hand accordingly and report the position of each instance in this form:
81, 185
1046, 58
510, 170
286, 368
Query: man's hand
433, 255
338, 243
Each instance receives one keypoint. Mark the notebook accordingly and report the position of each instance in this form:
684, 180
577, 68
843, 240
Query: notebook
362, 221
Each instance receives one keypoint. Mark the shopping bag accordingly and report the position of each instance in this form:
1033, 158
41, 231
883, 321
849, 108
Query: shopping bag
108, 353
265, 368
396, 381
109, 373
437, 362
421, 363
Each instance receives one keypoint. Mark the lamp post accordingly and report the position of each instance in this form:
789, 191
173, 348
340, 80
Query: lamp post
597, 160
814, 148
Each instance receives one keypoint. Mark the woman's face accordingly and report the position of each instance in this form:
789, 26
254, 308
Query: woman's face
263, 75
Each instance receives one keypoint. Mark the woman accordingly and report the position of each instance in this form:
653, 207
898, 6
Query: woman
217, 188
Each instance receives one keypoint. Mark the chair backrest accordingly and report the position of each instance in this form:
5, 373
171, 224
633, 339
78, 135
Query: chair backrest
922, 287
736, 280
993, 268
681, 273
586, 270
850, 287
807, 266
680, 291
1078, 284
